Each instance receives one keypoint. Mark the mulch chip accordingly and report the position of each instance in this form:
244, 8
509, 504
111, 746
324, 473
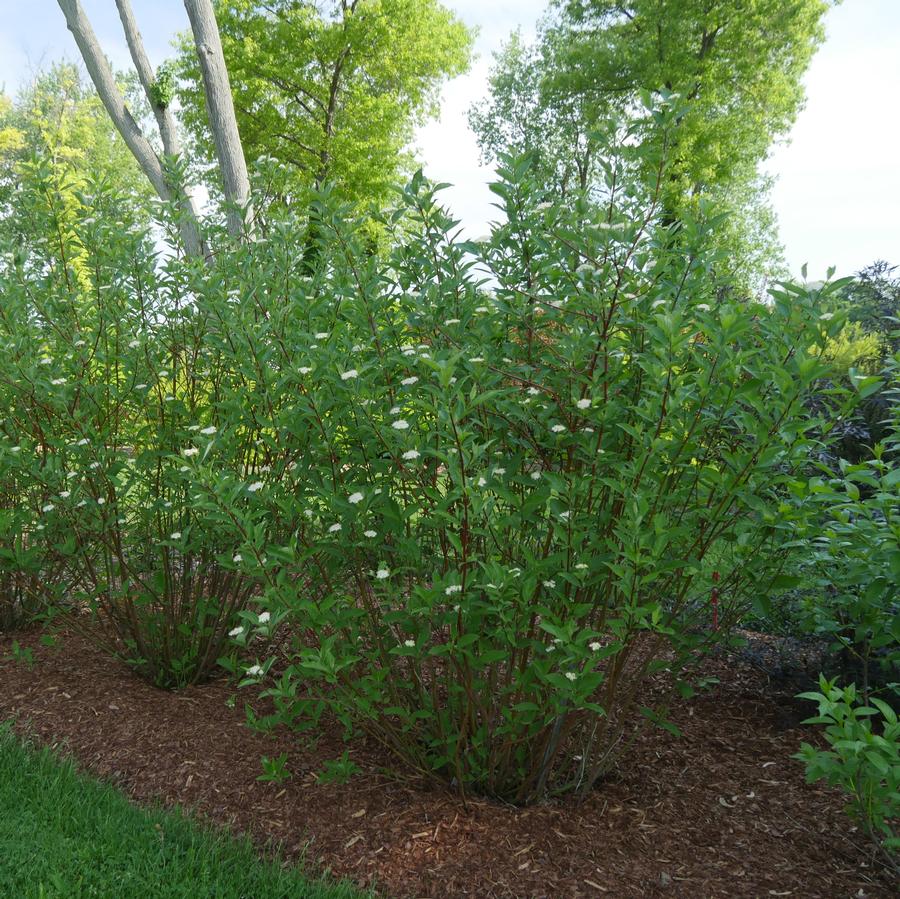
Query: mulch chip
722, 811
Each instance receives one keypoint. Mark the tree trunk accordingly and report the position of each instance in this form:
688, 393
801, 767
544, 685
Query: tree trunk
102, 76
168, 129
222, 119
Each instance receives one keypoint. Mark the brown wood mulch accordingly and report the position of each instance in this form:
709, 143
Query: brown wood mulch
723, 811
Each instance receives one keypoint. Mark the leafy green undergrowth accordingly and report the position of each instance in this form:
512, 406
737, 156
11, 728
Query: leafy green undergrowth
64, 835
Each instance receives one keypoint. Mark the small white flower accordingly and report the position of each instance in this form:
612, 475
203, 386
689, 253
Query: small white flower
15, 449
826, 316
565, 515
533, 391
476, 359
256, 485
409, 644
46, 361
595, 647
237, 557
571, 675
140, 386
535, 476
254, 671
453, 588
101, 501
57, 381
322, 335
48, 508
409, 455
65, 494
79, 343
208, 432
334, 528
134, 344
550, 584
370, 534
355, 498
584, 403
481, 482
702, 307
482, 309
382, 574
305, 370
408, 382
94, 466
349, 375
401, 424
558, 429
81, 503
83, 442
581, 567
543, 207
499, 471
452, 321
236, 632
265, 617
190, 451
175, 535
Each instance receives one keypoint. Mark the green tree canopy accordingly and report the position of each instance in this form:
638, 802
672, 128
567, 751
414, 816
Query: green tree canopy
736, 64
332, 90
56, 142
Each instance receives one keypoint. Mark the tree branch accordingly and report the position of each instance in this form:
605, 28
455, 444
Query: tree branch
168, 129
222, 119
112, 99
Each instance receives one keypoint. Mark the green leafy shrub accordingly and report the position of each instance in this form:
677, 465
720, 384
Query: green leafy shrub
864, 763
31, 577
481, 489
852, 562
112, 399
505, 473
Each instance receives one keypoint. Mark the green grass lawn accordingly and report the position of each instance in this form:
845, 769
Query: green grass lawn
64, 835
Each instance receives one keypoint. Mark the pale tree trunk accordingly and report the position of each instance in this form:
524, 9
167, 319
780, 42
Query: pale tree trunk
164, 117
168, 129
222, 119
102, 76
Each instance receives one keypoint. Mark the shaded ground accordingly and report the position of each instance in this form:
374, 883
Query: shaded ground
723, 811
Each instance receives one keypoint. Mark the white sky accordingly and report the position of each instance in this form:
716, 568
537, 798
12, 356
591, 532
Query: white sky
838, 190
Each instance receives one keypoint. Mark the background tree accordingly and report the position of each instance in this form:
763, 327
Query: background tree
737, 63
57, 145
164, 173
522, 115
340, 104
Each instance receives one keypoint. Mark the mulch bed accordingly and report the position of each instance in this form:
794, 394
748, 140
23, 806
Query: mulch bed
723, 811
